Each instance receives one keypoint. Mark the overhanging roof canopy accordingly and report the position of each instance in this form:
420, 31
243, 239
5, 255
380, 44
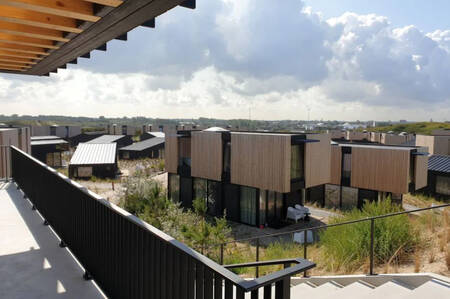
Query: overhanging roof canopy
39, 36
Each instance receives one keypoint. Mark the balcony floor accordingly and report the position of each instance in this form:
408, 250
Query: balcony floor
32, 265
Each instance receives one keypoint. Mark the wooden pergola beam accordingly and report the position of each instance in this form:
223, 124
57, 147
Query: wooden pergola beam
27, 17
23, 49
124, 18
16, 60
27, 41
112, 3
76, 9
19, 55
12, 68
18, 65
31, 31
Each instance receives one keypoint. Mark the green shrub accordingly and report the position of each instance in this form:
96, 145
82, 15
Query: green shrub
161, 165
347, 247
146, 199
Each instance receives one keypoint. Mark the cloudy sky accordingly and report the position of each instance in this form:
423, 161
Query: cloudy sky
383, 60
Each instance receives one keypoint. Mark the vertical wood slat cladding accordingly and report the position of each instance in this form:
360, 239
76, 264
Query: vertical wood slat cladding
317, 160
184, 147
171, 152
427, 141
335, 169
380, 169
420, 172
207, 155
261, 161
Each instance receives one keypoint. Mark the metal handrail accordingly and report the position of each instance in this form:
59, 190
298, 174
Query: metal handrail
305, 230
243, 285
327, 225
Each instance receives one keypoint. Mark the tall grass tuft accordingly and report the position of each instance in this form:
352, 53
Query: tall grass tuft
347, 247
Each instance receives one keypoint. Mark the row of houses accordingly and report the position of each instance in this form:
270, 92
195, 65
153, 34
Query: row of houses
373, 137
255, 176
98, 156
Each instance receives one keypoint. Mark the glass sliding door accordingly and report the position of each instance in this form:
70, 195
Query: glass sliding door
274, 207
248, 205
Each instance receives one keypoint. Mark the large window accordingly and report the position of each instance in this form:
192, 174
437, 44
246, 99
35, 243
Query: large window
248, 205
174, 187
297, 154
274, 207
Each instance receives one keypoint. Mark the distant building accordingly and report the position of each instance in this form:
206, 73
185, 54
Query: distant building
371, 172
149, 148
120, 140
55, 130
93, 159
439, 176
49, 149
10, 136
437, 145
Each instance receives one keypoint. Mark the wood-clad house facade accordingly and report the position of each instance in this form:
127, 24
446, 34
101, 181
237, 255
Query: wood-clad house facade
252, 177
361, 172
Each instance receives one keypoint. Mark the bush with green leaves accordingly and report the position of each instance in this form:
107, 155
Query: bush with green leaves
148, 200
347, 247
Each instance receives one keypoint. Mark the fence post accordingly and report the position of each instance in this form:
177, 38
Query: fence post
221, 254
305, 250
257, 257
372, 225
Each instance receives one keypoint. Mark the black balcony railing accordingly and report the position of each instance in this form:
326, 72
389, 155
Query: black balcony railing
304, 231
127, 257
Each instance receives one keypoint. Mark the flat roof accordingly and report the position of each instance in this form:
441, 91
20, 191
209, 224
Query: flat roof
106, 139
34, 138
48, 142
375, 146
143, 145
94, 153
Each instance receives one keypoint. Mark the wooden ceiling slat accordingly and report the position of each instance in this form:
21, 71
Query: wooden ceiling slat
27, 17
112, 3
27, 41
122, 19
76, 9
12, 68
12, 59
31, 31
18, 65
23, 49
18, 55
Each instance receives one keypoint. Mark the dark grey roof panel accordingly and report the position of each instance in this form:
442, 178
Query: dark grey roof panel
439, 163
143, 145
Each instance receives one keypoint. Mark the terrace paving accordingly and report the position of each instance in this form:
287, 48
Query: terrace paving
32, 265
